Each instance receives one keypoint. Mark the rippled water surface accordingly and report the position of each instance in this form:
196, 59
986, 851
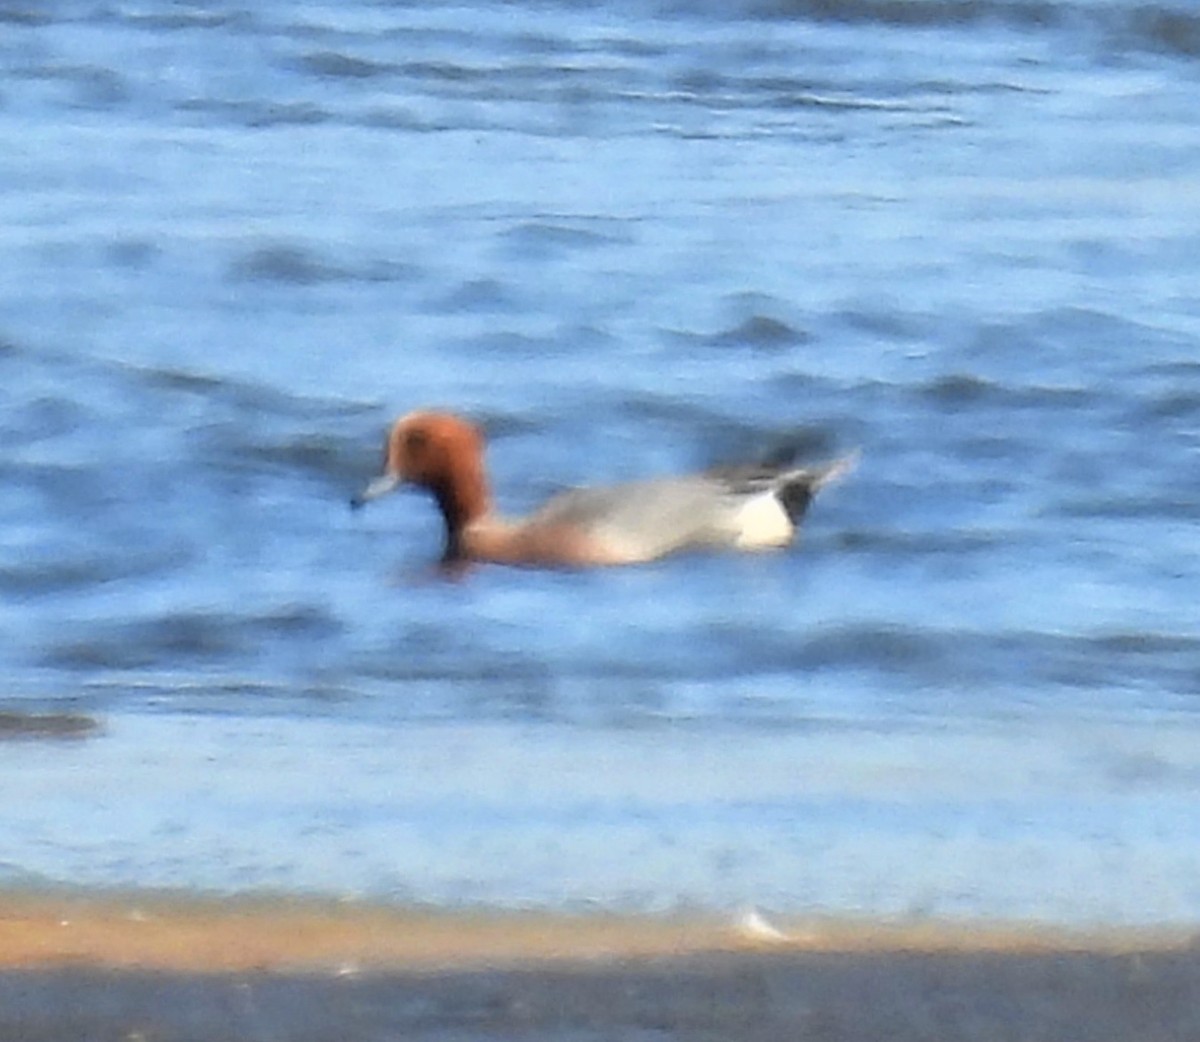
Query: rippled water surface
629, 239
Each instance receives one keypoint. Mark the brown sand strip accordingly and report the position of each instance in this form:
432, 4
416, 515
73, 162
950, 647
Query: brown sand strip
158, 969
213, 936
202, 936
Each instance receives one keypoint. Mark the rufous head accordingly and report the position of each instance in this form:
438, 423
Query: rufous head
438, 451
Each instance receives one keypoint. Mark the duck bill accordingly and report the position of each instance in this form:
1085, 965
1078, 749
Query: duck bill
381, 486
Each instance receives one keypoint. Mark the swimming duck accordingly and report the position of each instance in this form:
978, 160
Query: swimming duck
754, 507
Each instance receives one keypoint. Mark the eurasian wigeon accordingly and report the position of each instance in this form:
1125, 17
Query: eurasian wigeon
744, 508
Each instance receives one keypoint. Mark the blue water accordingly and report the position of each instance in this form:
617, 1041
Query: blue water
962, 236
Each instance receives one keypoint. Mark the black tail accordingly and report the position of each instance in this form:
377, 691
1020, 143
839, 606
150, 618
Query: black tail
796, 488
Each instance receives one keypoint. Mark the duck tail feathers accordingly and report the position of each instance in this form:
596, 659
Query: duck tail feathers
797, 487
823, 474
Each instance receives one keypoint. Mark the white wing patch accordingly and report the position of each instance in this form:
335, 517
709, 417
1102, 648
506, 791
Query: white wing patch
761, 523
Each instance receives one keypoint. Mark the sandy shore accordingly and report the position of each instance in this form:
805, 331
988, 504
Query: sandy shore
141, 968
166, 932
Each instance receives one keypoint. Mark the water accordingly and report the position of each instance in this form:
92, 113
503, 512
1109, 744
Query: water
629, 239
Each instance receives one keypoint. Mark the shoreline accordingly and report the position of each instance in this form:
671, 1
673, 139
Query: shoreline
162, 968
213, 934
155, 968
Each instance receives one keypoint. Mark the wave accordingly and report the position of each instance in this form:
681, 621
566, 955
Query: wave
299, 265
18, 724
178, 637
1168, 28
1171, 28
909, 13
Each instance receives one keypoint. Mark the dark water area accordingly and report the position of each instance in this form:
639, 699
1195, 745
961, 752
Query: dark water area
982, 997
628, 239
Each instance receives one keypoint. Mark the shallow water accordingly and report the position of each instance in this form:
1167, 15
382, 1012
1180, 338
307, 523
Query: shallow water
632, 239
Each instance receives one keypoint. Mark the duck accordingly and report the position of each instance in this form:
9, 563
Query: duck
750, 507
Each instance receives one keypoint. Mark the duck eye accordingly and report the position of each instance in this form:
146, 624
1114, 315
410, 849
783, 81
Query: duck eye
416, 441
